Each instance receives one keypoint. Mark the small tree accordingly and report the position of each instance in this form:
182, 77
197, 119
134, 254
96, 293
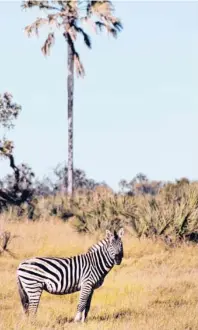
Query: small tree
140, 185
81, 182
14, 190
68, 17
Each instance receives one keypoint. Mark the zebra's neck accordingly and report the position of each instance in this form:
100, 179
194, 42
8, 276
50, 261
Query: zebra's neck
98, 245
101, 258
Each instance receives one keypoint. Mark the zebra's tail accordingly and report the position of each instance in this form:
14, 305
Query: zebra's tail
23, 296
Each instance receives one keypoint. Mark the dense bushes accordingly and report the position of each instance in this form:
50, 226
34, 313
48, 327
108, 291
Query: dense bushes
172, 212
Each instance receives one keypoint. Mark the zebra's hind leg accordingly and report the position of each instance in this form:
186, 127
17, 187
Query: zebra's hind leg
34, 299
30, 293
23, 296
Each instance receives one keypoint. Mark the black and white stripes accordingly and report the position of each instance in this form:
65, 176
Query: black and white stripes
59, 276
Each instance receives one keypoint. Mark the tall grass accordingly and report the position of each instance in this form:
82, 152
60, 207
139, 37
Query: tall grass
155, 287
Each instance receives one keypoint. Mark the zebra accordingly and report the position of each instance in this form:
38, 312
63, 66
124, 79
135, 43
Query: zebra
84, 273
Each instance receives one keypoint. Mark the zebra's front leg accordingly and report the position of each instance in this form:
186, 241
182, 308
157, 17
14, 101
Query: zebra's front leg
84, 304
87, 308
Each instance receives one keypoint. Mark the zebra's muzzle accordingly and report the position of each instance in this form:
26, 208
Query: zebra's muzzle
118, 260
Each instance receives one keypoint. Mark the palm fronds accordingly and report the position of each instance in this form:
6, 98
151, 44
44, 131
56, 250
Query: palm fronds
103, 10
67, 15
49, 42
87, 39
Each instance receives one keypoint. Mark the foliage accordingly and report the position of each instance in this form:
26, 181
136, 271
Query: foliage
44, 187
80, 180
16, 188
140, 185
9, 110
48, 187
172, 213
69, 18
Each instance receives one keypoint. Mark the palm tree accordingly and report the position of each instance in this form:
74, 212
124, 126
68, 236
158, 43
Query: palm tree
69, 16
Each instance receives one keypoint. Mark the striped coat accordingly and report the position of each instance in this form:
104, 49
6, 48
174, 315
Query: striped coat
83, 273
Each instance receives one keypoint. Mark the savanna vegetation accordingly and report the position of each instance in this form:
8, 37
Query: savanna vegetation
148, 208
155, 287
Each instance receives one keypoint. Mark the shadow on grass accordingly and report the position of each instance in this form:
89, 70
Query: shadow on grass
105, 317
170, 303
117, 315
64, 319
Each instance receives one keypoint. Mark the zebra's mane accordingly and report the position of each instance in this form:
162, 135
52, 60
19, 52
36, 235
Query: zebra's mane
98, 246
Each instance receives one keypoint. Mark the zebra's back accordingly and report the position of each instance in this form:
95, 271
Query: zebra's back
55, 275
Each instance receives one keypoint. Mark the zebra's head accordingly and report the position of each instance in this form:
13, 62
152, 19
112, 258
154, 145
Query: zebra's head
115, 246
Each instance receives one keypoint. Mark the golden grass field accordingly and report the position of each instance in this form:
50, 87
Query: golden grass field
155, 287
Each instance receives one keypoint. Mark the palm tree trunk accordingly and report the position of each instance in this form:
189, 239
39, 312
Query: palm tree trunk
70, 93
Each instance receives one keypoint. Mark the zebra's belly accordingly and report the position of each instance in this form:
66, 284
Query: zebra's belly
50, 287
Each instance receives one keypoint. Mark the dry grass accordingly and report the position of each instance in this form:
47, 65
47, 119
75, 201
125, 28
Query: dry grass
155, 287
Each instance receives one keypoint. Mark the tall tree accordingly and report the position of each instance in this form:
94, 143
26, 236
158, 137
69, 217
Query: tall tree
69, 16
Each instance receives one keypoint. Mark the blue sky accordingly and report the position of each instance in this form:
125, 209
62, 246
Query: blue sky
136, 109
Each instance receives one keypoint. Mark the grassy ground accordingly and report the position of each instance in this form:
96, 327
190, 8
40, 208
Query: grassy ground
155, 287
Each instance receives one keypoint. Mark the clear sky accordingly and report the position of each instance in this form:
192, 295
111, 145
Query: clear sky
136, 109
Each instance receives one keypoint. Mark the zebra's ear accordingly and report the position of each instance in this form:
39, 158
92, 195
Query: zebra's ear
109, 235
121, 232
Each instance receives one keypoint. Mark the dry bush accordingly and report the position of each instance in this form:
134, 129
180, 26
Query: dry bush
171, 214
5, 239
